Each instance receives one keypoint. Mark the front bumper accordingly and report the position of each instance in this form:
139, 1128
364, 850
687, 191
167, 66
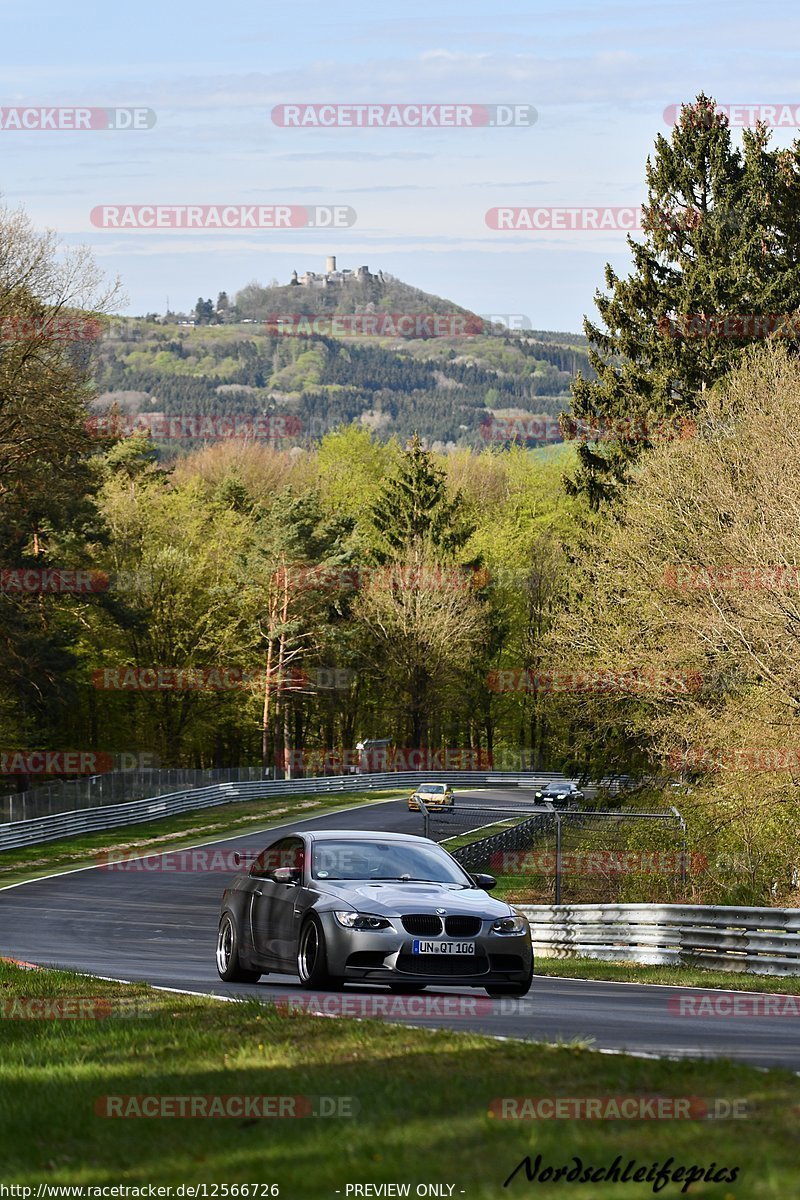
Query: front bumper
386, 955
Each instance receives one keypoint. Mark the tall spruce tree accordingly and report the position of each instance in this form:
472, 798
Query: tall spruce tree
721, 233
414, 508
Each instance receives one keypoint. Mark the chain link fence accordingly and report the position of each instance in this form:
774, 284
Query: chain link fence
546, 855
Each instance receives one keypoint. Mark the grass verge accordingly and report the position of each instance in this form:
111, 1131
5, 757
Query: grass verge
624, 972
173, 833
423, 1098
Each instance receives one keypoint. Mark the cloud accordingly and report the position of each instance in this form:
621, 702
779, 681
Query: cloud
355, 156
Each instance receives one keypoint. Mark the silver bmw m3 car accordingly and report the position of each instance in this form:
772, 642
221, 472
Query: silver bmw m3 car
338, 906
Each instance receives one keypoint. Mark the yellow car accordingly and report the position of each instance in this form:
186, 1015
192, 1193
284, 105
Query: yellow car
432, 795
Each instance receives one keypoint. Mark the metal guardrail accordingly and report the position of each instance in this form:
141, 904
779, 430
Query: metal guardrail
759, 941
115, 787
14, 834
137, 783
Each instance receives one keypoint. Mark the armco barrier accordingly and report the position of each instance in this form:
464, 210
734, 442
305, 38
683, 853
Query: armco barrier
761, 941
14, 834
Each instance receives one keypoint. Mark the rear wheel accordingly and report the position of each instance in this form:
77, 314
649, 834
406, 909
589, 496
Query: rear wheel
228, 966
312, 957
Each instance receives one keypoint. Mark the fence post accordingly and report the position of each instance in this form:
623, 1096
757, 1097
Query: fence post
684, 852
558, 856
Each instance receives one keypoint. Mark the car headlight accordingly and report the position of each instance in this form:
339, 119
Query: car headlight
356, 920
512, 924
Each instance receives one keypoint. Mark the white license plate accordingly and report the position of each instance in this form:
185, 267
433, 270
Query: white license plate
421, 947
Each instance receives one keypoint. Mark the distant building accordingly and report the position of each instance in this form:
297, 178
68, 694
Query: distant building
331, 277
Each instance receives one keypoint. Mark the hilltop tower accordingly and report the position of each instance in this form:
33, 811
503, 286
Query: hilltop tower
330, 264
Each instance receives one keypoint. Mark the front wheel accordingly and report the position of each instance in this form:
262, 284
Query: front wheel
228, 966
312, 957
511, 989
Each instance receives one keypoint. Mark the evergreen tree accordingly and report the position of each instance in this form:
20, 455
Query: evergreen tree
414, 507
203, 311
721, 230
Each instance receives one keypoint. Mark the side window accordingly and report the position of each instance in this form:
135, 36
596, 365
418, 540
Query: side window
288, 852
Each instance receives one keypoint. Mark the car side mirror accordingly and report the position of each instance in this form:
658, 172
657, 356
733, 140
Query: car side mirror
287, 875
485, 882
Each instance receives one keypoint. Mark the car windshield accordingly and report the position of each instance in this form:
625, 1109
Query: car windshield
402, 862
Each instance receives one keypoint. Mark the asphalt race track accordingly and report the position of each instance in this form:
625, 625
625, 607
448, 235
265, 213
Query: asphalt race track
160, 925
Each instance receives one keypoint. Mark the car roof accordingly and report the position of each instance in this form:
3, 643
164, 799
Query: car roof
359, 835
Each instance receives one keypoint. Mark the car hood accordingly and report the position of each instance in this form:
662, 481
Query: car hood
394, 899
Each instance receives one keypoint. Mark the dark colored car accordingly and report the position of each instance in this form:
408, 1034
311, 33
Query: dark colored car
561, 794
344, 906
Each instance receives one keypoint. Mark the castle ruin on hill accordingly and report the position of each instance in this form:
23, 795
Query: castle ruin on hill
331, 277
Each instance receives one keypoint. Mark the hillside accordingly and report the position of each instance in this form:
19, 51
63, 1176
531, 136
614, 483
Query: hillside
327, 355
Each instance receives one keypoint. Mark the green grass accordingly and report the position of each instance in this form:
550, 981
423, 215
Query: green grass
423, 1103
173, 833
623, 972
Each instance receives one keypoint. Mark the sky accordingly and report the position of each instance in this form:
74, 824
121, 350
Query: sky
598, 77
